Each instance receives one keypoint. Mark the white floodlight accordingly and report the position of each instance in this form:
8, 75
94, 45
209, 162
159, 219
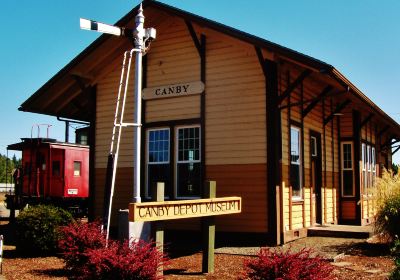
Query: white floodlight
88, 24
150, 33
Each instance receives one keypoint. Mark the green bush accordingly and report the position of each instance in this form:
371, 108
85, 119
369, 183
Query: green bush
37, 229
387, 195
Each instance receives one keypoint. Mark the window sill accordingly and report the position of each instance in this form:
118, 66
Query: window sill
297, 201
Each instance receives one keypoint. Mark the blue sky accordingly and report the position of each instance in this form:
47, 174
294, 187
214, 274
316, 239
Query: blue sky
361, 38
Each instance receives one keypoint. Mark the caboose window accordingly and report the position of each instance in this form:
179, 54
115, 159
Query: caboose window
77, 168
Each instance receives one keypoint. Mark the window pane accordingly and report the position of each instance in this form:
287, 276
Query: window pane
158, 147
373, 160
159, 173
188, 144
369, 158
313, 146
295, 146
295, 166
188, 164
347, 158
188, 176
295, 179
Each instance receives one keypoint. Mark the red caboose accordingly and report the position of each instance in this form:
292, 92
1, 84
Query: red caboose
52, 171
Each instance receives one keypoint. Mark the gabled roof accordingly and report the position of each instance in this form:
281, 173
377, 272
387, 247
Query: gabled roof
79, 96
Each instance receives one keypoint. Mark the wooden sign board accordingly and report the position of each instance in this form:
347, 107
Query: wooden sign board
175, 90
169, 210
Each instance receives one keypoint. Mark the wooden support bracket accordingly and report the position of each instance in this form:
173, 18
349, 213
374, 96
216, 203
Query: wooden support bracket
367, 119
295, 83
338, 109
314, 103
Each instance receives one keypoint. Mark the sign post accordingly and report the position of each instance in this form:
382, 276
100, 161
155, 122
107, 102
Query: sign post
159, 225
205, 208
208, 230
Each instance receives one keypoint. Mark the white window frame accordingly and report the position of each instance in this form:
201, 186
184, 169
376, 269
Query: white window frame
363, 157
177, 161
299, 163
347, 168
373, 158
369, 158
158, 162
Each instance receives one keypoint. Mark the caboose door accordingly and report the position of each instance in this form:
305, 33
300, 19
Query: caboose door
57, 172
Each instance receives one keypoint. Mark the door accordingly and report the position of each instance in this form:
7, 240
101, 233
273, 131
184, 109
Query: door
316, 175
57, 172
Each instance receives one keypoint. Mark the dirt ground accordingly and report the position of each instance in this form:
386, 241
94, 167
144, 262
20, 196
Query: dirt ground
352, 259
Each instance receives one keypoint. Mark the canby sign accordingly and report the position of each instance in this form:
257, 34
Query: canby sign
174, 90
156, 211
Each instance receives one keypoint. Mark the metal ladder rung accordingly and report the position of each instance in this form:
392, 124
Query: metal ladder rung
127, 124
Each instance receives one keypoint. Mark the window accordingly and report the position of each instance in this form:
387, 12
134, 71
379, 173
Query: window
188, 162
313, 147
158, 158
77, 168
295, 162
347, 169
55, 168
364, 166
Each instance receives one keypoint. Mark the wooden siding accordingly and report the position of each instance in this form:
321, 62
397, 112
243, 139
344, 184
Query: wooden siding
235, 103
123, 192
173, 59
247, 181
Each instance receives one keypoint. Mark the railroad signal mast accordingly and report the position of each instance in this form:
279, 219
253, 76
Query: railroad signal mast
141, 36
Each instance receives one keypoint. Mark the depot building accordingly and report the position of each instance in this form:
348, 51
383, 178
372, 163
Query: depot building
288, 133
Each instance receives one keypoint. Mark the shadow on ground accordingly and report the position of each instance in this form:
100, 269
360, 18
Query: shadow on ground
51, 272
362, 249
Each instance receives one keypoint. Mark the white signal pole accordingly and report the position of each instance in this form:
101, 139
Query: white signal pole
139, 33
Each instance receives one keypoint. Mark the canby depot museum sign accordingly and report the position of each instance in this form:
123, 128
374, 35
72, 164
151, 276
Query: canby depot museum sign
169, 210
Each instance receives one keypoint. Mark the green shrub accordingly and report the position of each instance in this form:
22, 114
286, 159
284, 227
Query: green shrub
37, 229
387, 195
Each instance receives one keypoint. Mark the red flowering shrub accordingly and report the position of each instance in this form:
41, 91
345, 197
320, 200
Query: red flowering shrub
76, 239
140, 260
87, 256
272, 264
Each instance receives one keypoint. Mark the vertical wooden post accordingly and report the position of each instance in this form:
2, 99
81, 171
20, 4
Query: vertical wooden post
278, 216
158, 195
290, 208
208, 230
